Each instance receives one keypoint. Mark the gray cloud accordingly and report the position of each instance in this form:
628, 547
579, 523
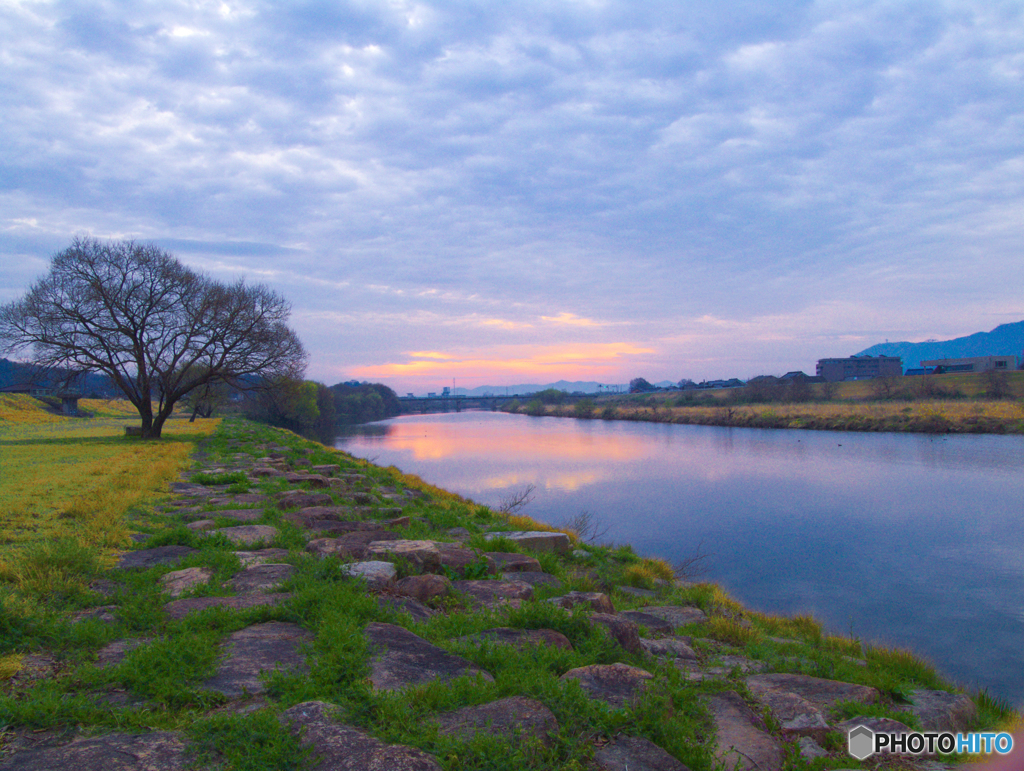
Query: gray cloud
642, 164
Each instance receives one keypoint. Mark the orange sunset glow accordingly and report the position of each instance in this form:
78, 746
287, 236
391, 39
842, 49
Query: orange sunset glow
584, 361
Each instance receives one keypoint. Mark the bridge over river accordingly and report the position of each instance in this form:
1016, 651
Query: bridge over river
414, 405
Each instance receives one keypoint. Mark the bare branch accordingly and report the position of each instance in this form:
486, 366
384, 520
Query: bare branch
694, 566
517, 499
588, 527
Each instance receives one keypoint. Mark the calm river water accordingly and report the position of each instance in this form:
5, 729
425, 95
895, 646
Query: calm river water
901, 539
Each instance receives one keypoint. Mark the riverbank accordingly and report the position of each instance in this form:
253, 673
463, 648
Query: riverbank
946, 404
156, 643
929, 417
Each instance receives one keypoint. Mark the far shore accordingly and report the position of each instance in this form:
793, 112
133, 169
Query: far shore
955, 404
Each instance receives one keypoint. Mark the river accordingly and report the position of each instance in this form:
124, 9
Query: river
904, 540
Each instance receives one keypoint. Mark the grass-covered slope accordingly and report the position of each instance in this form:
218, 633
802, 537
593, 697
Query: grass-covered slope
52, 632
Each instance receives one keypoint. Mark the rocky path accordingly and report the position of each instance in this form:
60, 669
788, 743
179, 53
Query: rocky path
336, 516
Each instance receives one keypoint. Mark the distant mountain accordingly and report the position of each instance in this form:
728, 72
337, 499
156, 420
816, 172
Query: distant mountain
530, 388
1004, 340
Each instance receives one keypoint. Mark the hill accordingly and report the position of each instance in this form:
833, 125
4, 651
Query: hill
1004, 340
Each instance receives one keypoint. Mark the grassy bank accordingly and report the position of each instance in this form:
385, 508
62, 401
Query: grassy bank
159, 684
75, 480
936, 405
933, 417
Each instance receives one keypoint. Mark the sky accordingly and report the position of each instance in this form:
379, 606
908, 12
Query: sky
501, 193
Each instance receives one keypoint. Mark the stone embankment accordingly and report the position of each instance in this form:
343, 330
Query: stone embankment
756, 718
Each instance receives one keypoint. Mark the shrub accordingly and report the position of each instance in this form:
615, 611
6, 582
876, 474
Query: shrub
535, 407
584, 408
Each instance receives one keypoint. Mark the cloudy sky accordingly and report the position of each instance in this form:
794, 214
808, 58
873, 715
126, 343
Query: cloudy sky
521, 192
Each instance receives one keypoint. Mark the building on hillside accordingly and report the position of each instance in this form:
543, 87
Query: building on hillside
973, 364
859, 368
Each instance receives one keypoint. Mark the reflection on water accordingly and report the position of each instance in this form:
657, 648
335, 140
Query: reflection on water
905, 539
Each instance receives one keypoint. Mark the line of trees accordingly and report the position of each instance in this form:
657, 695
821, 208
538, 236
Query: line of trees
309, 406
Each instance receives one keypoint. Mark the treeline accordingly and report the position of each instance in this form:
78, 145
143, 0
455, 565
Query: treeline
312, 407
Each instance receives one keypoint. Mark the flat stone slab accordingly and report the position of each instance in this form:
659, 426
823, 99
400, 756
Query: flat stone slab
810, 749
301, 499
260, 556
414, 608
676, 615
726, 665
458, 560
375, 573
147, 558
178, 609
669, 647
267, 577
201, 525
492, 593
537, 578
635, 753
248, 535
114, 653
942, 711
425, 587
239, 515
327, 468
623, 630
510, 562
156, 751
423, 554
177, 582
619, 685
822, 693
269, 647
241, 498
535, 540
880, 725
522, 637
266, 471
652, 622
315, 481
794, 714
743, 743
516, 717
337, 747
402, 659
596, 601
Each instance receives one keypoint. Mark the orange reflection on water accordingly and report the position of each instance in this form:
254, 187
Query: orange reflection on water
437, 441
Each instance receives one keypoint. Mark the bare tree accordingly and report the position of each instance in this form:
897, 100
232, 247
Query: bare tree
997, 384
883, 388
158, 329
